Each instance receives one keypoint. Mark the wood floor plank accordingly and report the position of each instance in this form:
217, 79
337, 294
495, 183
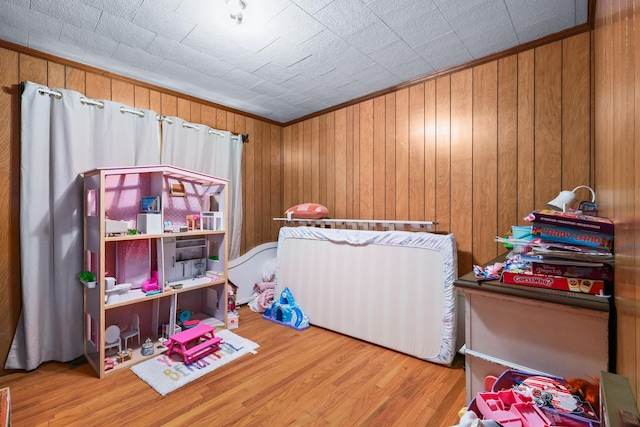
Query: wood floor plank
313, 377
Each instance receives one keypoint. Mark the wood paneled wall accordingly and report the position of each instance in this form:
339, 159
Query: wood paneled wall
261, 158
475, 150
616, 53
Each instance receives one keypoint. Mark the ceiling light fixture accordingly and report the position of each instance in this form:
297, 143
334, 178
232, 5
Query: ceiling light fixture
235, 9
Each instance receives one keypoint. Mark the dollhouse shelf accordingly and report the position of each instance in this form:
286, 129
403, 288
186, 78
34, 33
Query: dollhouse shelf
160, 273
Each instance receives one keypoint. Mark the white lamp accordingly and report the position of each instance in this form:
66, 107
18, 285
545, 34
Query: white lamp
566, 198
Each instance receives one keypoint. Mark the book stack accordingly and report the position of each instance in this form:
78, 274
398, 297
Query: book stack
570, 252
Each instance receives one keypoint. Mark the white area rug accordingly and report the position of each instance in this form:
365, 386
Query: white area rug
168, 373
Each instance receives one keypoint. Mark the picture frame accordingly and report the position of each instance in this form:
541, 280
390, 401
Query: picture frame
150, 204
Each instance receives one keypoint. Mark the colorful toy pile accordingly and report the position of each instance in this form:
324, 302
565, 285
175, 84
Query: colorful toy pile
530, 400
569, 252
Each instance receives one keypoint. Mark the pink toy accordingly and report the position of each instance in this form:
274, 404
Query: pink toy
194, 343
510, 409
151, 284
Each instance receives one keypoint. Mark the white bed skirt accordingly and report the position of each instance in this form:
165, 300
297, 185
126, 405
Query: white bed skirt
390, 288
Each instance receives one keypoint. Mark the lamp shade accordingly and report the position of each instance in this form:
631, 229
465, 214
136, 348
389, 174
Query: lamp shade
566, 198
563, 199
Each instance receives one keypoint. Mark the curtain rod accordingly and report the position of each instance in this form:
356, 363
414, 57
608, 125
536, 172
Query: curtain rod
45, 91
88, 101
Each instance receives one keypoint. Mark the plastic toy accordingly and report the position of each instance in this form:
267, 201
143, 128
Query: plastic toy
286, 312
152, 283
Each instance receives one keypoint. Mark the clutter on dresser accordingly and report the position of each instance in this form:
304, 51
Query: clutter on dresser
567, 251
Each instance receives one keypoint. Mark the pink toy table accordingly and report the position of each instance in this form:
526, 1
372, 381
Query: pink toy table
194, 343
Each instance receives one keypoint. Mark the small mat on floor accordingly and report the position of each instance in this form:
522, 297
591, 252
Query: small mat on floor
168, 373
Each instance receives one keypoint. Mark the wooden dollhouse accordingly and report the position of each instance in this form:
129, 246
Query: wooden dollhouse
147, 260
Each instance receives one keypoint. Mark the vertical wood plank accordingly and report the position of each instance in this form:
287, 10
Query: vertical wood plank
155, 101
430, 150
221, 119
390, 153
239, 125
208, 116
507, 145
548, 124
249, 188
122, 92
315, 159
55, 75
98, 86
402, 155
10, 291
366, 151
287, 166
416, 153
461, 173
349, 161
196, 112
484, 162
443, 154
169, 105
33, 69
576, 112
379, 155
322, 160
258, 177
275, 169
340, 163
526, 109
184, 109
298, 177
141, 97
331, 165
307, 164
355, 164
75, 79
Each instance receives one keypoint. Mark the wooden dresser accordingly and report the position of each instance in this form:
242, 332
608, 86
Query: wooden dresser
559, 333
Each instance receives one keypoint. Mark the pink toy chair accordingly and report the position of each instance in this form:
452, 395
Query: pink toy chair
151, 284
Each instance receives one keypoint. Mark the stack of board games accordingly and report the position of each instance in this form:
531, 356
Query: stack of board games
570, 252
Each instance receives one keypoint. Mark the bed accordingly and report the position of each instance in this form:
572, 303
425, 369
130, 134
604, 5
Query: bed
390, 288
250, 268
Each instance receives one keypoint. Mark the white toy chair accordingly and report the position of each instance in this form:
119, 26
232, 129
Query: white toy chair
112, 338
134, 330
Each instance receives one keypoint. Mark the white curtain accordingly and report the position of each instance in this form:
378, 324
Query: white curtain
203, 149
61, 138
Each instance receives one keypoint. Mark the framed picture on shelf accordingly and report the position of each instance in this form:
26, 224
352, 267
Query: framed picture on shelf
150, 204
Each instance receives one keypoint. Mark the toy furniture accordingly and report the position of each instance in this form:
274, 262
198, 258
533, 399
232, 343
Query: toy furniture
112, 338
152, 283
185, 320
134, 330
194, 343
125, 354
118, 293
150, 264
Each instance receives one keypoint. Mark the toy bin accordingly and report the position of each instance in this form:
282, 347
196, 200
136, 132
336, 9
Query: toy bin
554, 398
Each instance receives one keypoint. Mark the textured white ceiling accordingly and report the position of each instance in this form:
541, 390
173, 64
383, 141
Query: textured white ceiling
289, 58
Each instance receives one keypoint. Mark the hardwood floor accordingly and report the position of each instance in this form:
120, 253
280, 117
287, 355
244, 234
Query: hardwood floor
312, 378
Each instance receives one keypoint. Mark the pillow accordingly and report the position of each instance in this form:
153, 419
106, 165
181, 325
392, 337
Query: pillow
308, 211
